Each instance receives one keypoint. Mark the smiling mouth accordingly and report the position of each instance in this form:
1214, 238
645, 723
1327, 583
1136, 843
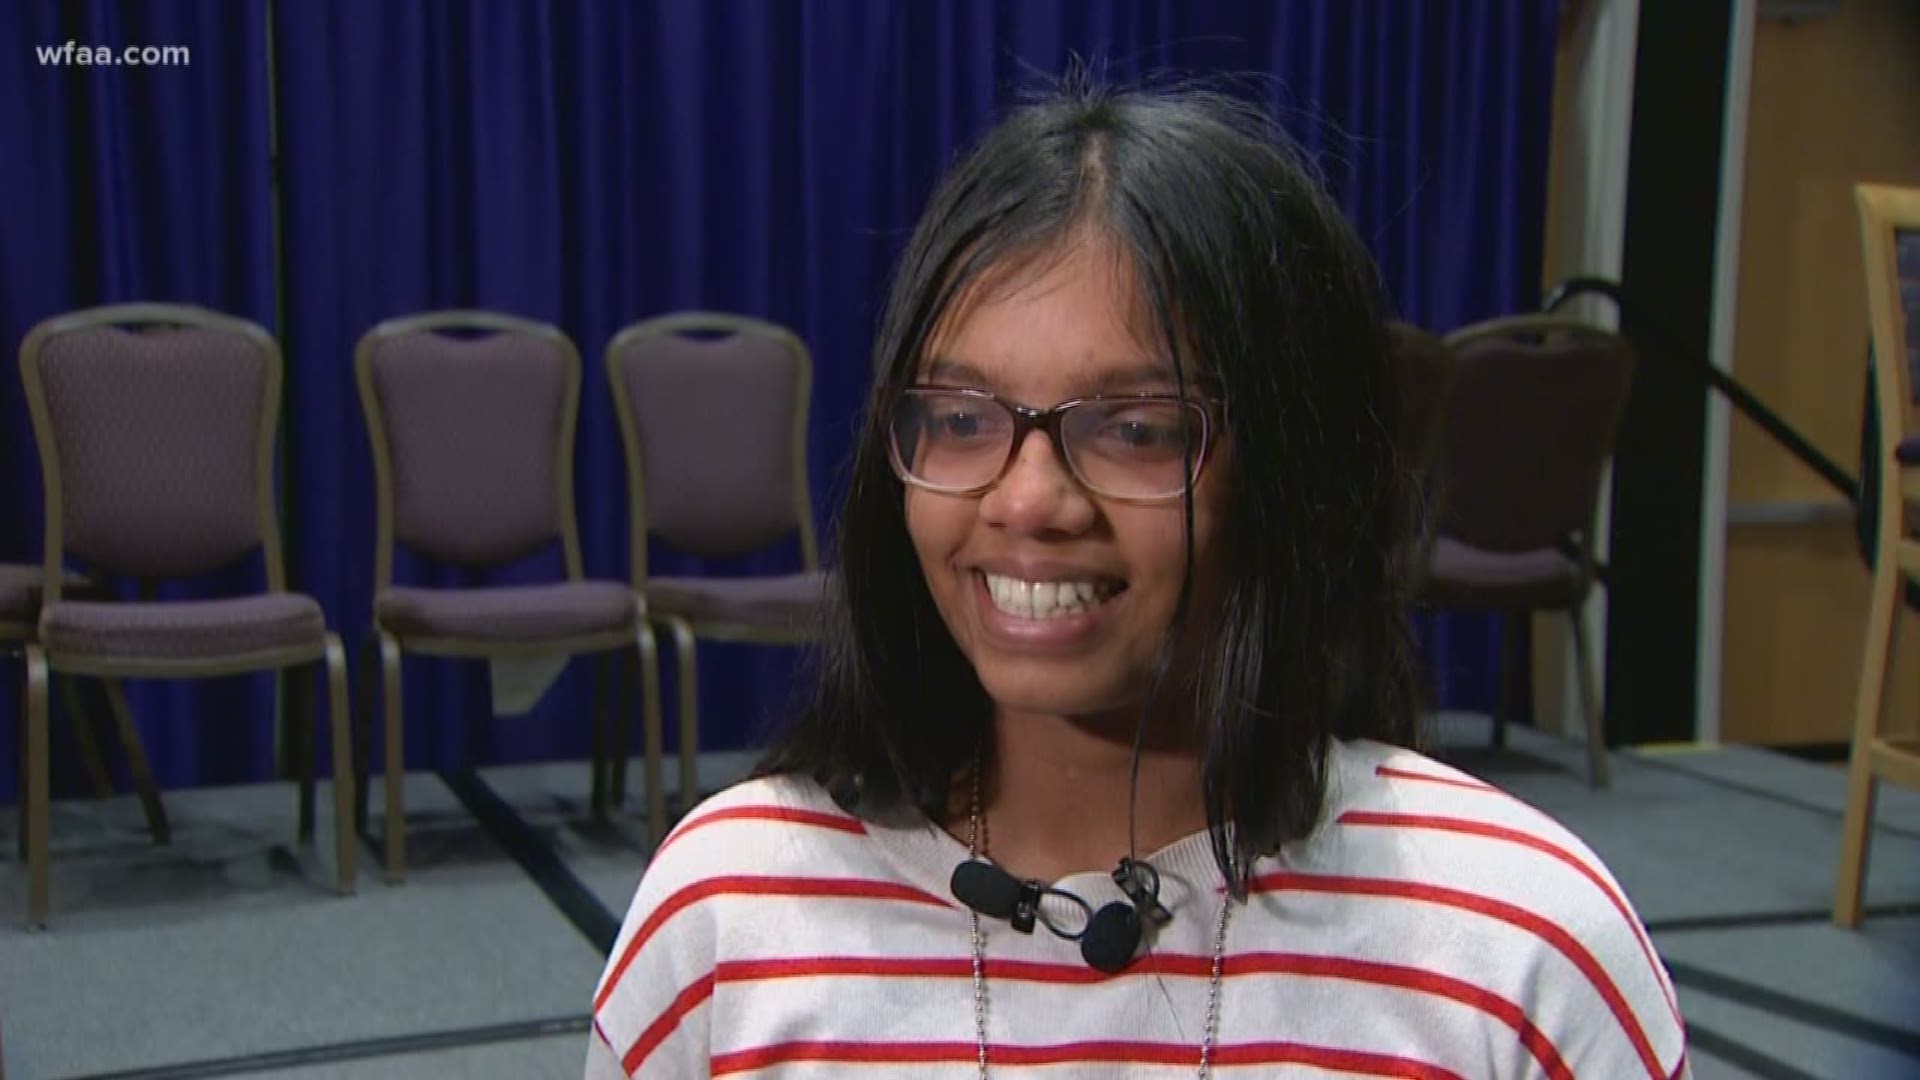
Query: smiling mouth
1049, 599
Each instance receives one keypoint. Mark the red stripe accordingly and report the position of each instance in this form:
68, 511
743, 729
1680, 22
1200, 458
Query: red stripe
760, 1057
1084, 1053
750, 885
1396, 976
663, 1025
790, 814
1415, 979
1429, 778
1537, 843
955, 967
1359, 1062
1496, 909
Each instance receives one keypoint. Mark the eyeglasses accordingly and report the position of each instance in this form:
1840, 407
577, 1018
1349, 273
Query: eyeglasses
1141, 447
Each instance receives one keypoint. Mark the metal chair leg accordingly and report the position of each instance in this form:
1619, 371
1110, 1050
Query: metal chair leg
297, 740
346, 848
1590, 702
1856, 829
1514, 626
689, 693
20, 776
652, 733
35, 804
620, 721
86, 734
150, 802
602, 765
396, 759
363, 691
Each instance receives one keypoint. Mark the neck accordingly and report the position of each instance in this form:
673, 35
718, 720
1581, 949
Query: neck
1056, 797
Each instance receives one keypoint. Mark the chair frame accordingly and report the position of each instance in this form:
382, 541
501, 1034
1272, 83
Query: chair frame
1521, 622
685, 631
42, 662
1876, 755
609, 730
14, 637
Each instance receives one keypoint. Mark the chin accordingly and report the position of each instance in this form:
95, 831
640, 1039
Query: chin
1056, 690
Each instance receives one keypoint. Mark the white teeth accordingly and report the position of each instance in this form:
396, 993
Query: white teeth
1043, 594
1044, 599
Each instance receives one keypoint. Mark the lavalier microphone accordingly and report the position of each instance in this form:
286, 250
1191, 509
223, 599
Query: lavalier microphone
1110, 937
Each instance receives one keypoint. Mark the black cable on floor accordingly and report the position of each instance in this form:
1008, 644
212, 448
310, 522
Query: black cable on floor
535, 856
355, 1050
1746, 1057
1799, 1010
1879, 827
1684, 924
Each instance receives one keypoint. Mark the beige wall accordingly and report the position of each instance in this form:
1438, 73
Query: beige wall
1586, 213
1833, 100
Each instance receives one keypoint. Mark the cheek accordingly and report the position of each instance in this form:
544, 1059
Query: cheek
937, 525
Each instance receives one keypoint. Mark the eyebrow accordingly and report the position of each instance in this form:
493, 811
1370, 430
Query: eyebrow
1151, 374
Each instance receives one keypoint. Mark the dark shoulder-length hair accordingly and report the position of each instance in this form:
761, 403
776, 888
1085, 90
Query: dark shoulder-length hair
1260, 288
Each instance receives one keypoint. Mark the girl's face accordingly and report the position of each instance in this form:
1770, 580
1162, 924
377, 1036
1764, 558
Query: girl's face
1061, 597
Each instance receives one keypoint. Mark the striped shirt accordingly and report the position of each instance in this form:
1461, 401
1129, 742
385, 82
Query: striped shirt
1433, 926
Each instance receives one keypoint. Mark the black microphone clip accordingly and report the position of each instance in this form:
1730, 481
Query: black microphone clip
993, 892
1027, 908
1141, 882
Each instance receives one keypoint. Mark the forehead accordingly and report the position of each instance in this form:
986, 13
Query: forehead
1067, 325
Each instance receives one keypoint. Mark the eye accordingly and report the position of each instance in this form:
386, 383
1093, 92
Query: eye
1143, 431
957, 422
1140, 433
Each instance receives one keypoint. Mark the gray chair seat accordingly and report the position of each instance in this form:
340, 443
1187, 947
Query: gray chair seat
1461, 575
182, 629
20, 590
510, 613
779, 602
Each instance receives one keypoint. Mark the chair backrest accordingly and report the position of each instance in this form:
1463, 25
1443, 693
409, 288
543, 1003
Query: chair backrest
1423, 374
713, 413
471, 416
1530, 423
1890, 243
155, 425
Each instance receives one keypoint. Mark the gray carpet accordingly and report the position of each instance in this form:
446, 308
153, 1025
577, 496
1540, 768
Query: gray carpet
226, 954
554, 1055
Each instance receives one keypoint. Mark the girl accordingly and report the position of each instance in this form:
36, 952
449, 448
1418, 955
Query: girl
1103, 769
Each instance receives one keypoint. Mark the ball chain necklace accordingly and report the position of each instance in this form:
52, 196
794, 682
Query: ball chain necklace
977, 848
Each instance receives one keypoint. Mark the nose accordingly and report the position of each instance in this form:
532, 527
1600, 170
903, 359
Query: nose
1038, 494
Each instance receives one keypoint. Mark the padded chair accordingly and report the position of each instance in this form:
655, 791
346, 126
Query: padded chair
716, 491
1890, 240
473, 467
155, 425
1530, 423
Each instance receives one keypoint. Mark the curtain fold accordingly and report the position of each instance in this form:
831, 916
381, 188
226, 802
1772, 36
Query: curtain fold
597, 163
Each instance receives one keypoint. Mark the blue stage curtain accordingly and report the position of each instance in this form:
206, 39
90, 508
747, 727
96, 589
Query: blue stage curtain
122, 184
592, 164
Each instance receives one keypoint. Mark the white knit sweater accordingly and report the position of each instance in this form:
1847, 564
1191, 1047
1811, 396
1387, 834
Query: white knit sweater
1433, 926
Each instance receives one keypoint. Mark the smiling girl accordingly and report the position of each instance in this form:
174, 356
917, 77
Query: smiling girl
1105, 768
